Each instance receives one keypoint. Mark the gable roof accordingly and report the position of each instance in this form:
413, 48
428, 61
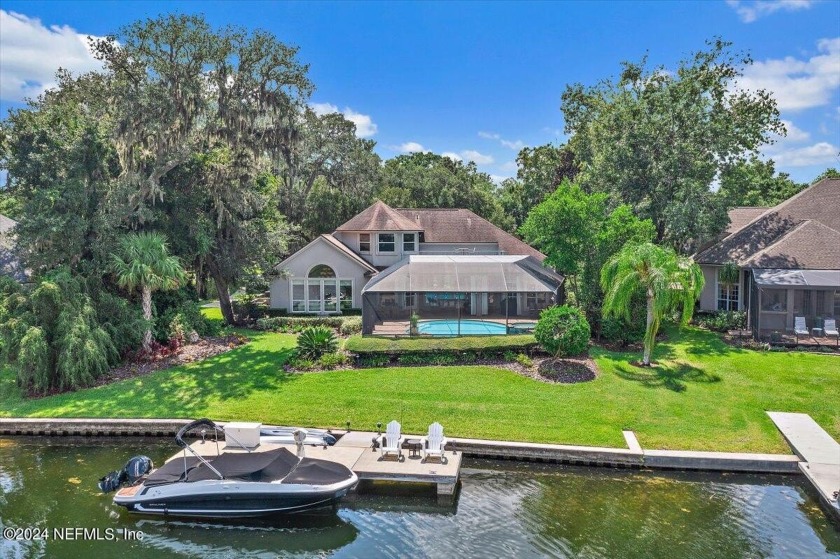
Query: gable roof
798, 233
379, 216
463, 226
337, 245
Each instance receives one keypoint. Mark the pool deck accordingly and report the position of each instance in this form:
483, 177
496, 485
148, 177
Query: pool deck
400, 327
819, 452
354, 450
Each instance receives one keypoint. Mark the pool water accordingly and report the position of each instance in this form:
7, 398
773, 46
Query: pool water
504, 509
447, 327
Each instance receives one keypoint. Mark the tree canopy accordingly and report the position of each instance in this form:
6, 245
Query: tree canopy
657, 138
428, 180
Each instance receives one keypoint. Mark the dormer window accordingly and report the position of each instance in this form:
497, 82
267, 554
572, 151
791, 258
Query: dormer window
409, 245
387, 243
364, 243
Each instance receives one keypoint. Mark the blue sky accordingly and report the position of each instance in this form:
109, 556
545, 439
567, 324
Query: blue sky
478, 80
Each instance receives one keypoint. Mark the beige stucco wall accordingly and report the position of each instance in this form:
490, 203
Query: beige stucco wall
708, 297
319, 252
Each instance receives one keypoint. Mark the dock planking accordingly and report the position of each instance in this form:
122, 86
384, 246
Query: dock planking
355, 451
819, 452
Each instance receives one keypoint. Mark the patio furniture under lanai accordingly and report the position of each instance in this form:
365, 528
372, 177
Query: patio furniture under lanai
782, 304
458, 295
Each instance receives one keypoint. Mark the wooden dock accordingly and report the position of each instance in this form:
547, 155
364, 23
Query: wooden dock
355, 451
819, 452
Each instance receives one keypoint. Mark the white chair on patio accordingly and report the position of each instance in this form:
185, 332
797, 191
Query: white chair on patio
433, 444
800, 328
830, 329
390, 442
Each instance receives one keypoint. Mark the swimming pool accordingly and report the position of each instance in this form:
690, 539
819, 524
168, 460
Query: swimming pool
448, 327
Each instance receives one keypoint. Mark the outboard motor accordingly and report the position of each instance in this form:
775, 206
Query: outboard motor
134, 469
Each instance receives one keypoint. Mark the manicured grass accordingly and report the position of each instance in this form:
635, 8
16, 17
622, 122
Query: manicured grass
368, 344
704, 396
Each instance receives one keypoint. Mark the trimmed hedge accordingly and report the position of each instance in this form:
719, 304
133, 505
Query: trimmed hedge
292, 324
489, 344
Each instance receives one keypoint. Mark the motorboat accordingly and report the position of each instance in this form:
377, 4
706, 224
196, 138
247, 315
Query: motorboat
236, 482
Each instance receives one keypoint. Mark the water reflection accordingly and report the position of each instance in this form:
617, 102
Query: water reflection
503, 509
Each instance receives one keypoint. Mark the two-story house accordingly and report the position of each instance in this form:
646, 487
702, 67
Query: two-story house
392, 263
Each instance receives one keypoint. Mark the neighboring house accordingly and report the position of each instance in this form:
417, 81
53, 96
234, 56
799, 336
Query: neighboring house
789, 262
9, 264
445, 264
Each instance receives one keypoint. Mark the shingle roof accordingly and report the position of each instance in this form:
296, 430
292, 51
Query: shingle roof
463, 226
798, 233
378, 217
741, 216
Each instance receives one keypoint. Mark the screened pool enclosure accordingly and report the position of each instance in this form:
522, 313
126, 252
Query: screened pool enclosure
454, 295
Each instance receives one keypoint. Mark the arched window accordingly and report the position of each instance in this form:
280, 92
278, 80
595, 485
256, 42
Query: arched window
321, 271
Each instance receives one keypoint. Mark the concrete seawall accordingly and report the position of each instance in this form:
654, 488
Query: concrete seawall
632, 457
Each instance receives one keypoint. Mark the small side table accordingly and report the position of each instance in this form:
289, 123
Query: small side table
815, 330
414, 446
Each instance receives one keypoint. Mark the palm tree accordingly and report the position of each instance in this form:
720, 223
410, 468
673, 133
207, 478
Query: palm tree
669, 280
145, 263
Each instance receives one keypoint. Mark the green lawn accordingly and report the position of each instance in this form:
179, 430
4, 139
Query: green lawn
706, 396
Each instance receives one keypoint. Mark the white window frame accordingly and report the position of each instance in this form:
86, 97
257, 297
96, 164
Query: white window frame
320, 282
413, 242
728, 299
410, 300
361, 250
379, 243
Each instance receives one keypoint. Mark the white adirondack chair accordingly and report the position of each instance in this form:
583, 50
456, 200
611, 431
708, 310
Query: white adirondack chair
433, 444
799, 327
390, 442
830, 329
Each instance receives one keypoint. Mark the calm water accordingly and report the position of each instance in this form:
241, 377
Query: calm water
503, 510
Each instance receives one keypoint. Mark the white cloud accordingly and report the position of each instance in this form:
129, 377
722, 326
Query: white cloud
822, 153
751, 11
365, 127
498, 179
794, 133
452, 155
514, 145
479, 158
30, 54
410, 147
509, 166
798, 84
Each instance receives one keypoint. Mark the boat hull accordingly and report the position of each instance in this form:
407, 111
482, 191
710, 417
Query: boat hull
230, 500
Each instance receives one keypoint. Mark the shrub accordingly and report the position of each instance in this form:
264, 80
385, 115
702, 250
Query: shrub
721, 321
351, 325
315, 341
374, 360
509, 355
332, 360
562, 331
524, 360
178, 321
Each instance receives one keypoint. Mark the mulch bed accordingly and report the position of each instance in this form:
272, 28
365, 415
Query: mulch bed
204, 348
569, 370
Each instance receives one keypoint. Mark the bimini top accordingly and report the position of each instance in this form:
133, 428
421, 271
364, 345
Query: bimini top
466, 273
770, 277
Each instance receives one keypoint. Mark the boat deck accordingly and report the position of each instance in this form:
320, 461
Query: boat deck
354, 450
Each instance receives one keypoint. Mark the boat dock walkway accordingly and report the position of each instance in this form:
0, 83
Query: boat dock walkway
820, 454
354, 450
